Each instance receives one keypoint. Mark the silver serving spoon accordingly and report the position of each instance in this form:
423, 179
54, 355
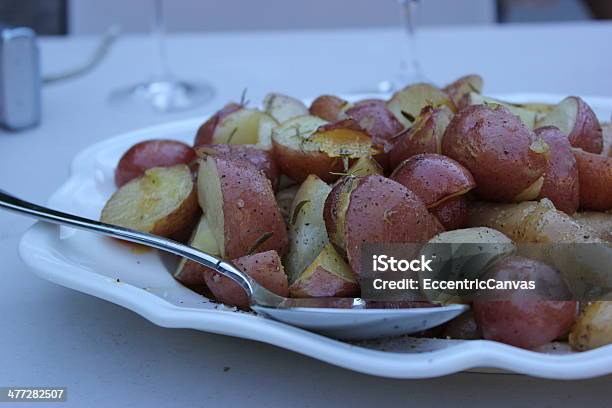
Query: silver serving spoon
335, 317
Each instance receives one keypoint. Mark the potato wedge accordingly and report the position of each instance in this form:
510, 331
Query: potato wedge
284, 200
578, 121
463, 86
162, 202
282, 107
192, 273
492, 144
356, 215
328, 107
238, 125
328, 276
151, 153
307, 233
599, 222
308, 145
263, 160
593, 327
241, 208
407, 104
595, 175
561, 184
264, 267
425, 136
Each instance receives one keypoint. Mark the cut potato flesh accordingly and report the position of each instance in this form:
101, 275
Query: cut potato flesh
160, 202
347, 143
297, 133
593, 328
365, 166
409, 102
211, 200
307, 233
283, 108
563, 116
190, 272
245, 126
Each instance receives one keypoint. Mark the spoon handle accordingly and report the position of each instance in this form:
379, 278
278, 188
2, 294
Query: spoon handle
14, 204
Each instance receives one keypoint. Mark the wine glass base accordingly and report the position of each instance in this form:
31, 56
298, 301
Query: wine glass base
165, 95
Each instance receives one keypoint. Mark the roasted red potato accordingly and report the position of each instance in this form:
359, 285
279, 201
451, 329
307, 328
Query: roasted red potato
236, 124
458, 89
240, 206
328, 107
328, 276
151, 153
599, 222
282, 107
407, 104
578, 121
595, 175
380, 123
561, 175
524, 317
593, 327
439, 182
264, 267
374, 209
308, 145
192, 273
162, 202
263, 160
506, 159
425, 136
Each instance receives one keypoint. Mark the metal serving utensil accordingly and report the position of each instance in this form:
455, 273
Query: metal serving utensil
344, 318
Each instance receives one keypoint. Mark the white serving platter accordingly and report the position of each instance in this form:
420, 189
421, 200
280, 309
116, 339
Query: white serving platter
140, 281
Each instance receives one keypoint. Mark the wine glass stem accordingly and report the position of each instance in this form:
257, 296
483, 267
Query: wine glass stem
410, 65
158, 33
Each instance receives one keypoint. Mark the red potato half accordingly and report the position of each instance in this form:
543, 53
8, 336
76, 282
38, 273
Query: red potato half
282, 107
578, 121
236, 124
380, 123
151, 153
161, 202
374, 209
458, 89
523, 318
241, 208
328, 276
308, 145
192, 273
328, 107
307, 233
595, 174
425, 136
265, 268
437, 180
263, 160
561, 175
506, 159
407, 104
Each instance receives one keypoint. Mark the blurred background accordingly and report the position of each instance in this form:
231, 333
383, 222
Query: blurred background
77, 17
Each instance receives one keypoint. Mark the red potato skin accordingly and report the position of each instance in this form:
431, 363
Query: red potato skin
595, 174
262, 160
587, 134
383, 211
561, 184
327, 107
206, 132
454, 213
323, 283
494, 146
250, 210
522, 319
433, 177
374, 117
151, 153
264, 267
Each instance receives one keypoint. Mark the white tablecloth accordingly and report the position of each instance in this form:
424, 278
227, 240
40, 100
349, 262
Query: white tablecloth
53, 336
